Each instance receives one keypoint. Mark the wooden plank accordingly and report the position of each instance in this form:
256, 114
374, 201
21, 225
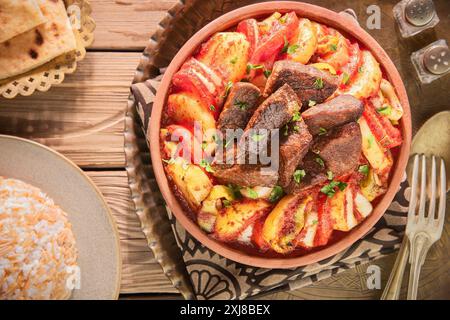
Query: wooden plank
140, 271
83, 117
126, 24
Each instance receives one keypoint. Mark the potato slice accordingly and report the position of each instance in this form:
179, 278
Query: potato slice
285, 222
187, 110
367, 80
380, 160
337, 54
232, 220
305, 43
324, 66
362, 205
190, 180
396, 109
257, 192
341, 209
308, 234
227, 53
371, 186
206, 217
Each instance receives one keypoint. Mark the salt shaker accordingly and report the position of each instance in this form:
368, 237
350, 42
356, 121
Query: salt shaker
432, 62
414, 16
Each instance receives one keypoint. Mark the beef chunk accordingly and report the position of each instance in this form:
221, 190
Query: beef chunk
315, 175
292, 150
338, 111
338, 152
239, 106
246, 176
309, 83
276, 110
340, 149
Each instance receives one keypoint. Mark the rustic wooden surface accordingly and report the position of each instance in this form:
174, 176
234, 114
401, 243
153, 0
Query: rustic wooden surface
83, 119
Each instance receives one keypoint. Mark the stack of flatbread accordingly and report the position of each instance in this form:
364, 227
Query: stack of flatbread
32, 32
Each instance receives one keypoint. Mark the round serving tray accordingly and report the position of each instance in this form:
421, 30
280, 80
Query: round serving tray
94, 228
53, 72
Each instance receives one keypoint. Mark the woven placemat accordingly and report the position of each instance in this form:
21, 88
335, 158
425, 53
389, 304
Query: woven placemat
210, 276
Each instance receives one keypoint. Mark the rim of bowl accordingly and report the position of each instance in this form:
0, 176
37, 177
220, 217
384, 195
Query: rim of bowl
330, 18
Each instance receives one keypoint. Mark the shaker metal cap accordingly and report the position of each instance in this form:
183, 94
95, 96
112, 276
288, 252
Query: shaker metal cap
437, 59
419, 12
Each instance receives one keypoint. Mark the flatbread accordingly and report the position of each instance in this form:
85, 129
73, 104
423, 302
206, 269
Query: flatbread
18, 16
40, 45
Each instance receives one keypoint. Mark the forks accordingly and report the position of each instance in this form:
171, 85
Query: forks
421, 231
424, 230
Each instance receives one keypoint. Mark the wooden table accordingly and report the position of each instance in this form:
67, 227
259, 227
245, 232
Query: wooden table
83, 119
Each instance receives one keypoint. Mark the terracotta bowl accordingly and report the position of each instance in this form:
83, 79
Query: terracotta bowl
347, 26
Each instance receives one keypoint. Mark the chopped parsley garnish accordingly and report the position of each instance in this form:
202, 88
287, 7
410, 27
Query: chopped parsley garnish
330, 189
320, 161
234, 60
311, 103
241, 105
333, 47
322, 131
296, 116
292, 49
235, 190
257, 137
267, 73
253, 67
275, 194
299, 175
364, 169
204, 145
206, 165
227, 88
345, 78
296, 128
330, 175
360, 69
252, 193
385, 111
226, 203
212, 108
283, 19
318, 83
286, 45
286, 130
314, 222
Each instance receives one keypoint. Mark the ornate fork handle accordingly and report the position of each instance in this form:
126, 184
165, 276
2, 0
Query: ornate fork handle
419, 245
394, 284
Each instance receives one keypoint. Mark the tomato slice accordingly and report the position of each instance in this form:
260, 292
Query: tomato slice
324, 224
197, 78
382, 128
270, 45
250, 29
348, 71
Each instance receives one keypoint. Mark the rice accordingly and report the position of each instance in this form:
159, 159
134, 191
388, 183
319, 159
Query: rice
37, 246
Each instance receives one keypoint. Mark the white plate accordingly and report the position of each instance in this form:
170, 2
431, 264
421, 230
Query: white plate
93, 226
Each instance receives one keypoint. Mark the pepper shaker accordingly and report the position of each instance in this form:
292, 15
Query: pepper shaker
414, 16
432, 62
